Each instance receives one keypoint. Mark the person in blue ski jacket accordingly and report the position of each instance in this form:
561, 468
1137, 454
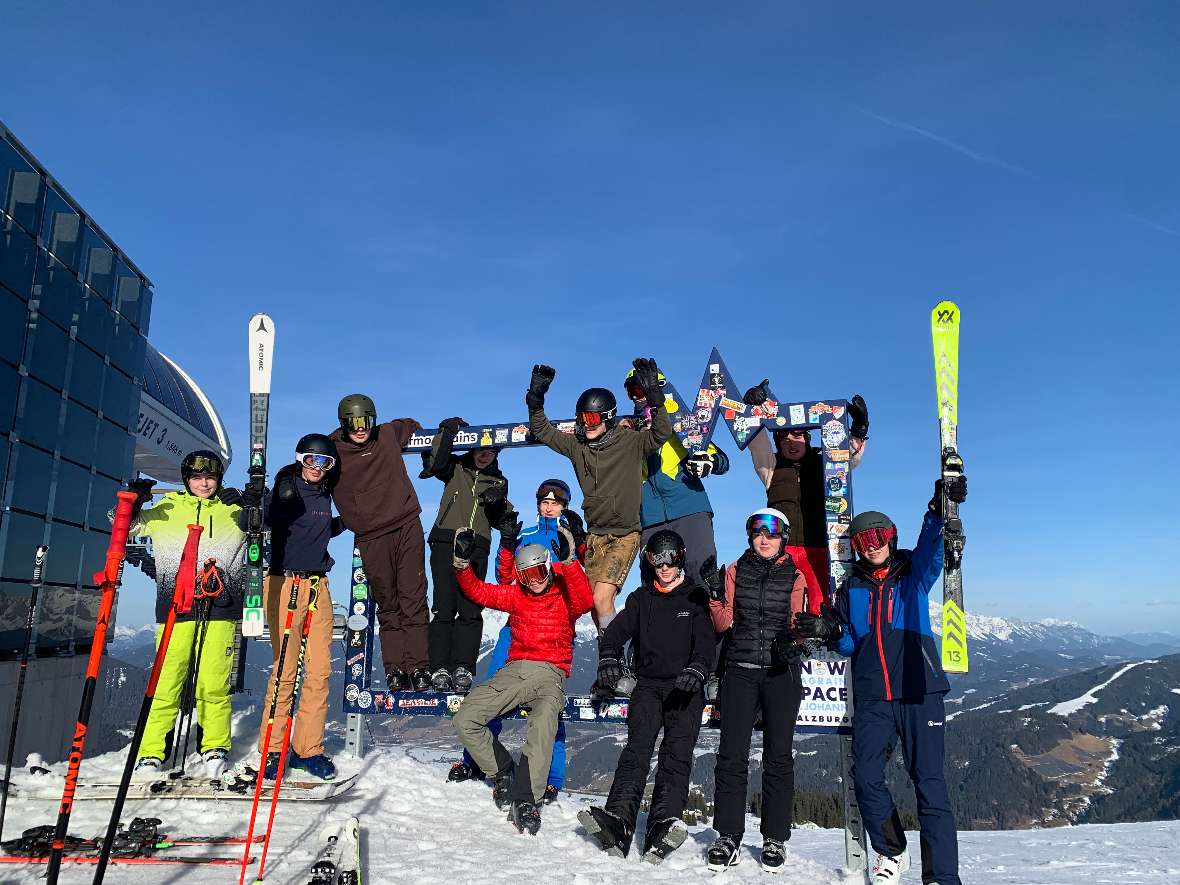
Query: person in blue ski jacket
553, 497
882, 620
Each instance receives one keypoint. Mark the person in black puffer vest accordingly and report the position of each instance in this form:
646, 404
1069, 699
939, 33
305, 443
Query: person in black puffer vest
667, 621
756, 598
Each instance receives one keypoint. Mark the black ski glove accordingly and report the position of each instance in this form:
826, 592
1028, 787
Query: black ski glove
539, 383
252, 496
576, 526
496, 492
610, 671
825, 627
647, 375
699, 464
756, 396
425, 473
859, 413
229, 496
285, 489
564, 547
464, 548
452, 426
786, 648
956, 491
510, 527
713, 579
143, 491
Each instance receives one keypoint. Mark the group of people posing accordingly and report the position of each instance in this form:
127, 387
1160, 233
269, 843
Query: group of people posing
691, 627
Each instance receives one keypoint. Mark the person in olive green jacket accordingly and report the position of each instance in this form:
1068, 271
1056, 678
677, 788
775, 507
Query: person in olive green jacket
221, 562
475, 497
608, 460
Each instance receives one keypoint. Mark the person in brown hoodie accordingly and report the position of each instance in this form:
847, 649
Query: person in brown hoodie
377, 502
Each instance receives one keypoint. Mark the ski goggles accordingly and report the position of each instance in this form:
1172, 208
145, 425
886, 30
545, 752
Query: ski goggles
534, 576
664, 557
203, 465
358, 422
635, 390
873, 539
594, 419
769, 525
314, 461
552, 493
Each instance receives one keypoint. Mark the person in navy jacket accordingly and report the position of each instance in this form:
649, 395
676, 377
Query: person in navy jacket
882, 620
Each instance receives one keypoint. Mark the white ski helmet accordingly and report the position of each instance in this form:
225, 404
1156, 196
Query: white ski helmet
532, 567
771, 520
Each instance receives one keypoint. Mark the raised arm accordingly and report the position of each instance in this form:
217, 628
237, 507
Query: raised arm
926, 561
762, 454
501, 597
577, 587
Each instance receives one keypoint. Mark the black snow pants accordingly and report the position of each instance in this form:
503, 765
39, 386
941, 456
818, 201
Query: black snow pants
457, 626
654, 706
779, 690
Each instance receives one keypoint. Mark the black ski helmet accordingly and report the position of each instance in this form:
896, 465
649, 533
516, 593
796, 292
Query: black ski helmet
597, 400
665, 547
202, 461
356, 412
316, 444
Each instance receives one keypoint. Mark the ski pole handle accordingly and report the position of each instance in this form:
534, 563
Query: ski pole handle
39, 564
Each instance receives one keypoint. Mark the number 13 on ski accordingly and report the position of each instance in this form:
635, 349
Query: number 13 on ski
944, 329
262, 339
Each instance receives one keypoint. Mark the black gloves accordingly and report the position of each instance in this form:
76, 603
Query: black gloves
496, 492
955, 488
577, 527
464, 547
229, 497
756, 396
143, 491
451, 426
427, 459
539, 383
285, 489
564, 547
826, 626
699, 464
510, 526
610, 671
647, 375
711, 578
252, 496
689, 681
859, 413
786, 648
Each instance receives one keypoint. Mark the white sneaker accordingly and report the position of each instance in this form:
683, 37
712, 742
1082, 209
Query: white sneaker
216, 762
887, 870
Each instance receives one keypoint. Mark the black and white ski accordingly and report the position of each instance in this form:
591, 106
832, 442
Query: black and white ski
338, 862
262, 338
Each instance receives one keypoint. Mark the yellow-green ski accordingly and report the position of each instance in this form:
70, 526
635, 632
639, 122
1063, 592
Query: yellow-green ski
944, 331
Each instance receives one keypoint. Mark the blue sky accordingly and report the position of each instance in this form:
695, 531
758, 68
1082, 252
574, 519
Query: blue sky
429, 200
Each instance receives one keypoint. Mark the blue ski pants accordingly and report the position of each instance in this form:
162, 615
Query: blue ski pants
919, 725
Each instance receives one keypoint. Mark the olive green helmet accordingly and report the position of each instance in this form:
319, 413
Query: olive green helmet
356, 412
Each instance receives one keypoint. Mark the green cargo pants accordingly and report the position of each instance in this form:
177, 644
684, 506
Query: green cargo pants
538, 685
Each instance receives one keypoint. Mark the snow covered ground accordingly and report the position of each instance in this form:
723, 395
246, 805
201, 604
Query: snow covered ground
418, 828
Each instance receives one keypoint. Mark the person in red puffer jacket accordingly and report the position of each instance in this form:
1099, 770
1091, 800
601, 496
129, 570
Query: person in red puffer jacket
545, 601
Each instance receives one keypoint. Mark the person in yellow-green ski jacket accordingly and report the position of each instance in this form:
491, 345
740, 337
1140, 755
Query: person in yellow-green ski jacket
218, 510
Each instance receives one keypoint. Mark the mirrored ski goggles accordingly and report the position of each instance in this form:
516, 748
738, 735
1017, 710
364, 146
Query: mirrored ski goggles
358, 422
203, 465
635, 390
534, 576
592, 419
769, 525
315, 461
664, 557
552, 493
873, 539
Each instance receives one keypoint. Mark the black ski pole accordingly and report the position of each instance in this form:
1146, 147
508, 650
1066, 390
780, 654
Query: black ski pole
38, 565
202, 629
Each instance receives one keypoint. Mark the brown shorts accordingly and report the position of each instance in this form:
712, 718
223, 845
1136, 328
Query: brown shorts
610, 557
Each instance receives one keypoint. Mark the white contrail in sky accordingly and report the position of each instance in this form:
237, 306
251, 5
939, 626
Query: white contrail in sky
947, 143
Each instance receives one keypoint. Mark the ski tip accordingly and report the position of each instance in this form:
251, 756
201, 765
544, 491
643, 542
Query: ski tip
945, 313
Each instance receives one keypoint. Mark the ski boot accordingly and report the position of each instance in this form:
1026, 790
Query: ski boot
525, 816
271, 771
551, 794
613, 835
317, 766
462, 680
663, 837
215, 761
502, 787
397, 680
725, 852
773, 856
147, 768
420, 679
887, 870
461, 771
440, 680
